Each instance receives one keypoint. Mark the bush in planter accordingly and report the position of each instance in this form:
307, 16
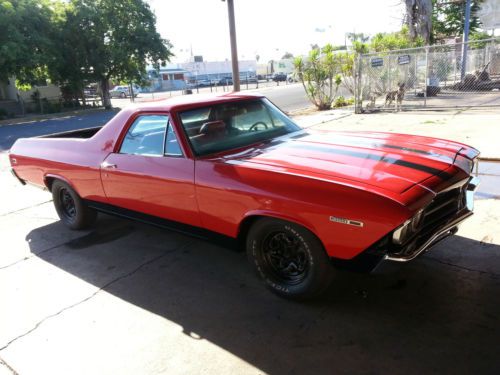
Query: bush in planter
343, 102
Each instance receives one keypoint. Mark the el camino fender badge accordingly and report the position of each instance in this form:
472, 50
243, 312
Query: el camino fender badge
342, 220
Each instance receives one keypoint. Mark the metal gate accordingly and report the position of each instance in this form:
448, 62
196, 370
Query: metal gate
430, 77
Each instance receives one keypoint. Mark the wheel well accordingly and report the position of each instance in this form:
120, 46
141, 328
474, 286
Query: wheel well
49, 181
247, 223
245, 226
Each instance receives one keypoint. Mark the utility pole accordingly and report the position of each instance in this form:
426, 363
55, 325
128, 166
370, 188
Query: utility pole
234, 51
465, 39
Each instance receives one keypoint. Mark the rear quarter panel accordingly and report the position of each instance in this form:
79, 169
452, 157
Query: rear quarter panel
76, 161
71, 160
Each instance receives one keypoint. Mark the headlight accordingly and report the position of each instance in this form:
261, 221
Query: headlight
466, 164
469, 165
409, 228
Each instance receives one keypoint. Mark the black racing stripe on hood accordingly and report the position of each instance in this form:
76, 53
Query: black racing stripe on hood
418, 151
383, 158
354, 141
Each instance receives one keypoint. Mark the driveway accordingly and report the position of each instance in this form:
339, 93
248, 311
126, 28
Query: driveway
126, 298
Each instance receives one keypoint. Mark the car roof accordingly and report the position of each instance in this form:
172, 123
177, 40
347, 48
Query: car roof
193, 101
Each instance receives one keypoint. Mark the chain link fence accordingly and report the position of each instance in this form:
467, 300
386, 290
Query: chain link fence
430, 77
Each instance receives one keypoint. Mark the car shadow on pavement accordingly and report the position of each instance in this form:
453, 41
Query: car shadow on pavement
429, 316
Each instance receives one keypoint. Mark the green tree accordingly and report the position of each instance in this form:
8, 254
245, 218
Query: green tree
320, 76
68, 64
115, 40
360, 47
25, 43
476, 37
358, 37
448, 18
398, 40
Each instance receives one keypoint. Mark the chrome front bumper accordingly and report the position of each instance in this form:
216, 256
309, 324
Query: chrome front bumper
446, 229
17, 177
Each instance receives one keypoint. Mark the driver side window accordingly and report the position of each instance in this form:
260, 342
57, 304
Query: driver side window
146, 136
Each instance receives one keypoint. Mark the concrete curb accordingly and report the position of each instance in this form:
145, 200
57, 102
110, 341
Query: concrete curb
332, 119
51, 116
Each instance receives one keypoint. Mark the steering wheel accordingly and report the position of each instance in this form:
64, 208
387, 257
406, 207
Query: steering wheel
254, 126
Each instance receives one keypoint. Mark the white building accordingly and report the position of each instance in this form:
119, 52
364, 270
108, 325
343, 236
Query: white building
178, 76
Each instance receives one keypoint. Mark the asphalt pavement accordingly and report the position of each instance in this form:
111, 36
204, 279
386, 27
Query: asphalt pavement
10, 133
287, 97
127, 298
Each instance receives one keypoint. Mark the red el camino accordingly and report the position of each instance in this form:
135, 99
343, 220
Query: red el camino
234, 167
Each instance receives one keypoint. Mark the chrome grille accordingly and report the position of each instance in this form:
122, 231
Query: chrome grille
444, 206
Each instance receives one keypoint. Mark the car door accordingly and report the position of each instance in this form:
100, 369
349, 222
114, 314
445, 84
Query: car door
149, 173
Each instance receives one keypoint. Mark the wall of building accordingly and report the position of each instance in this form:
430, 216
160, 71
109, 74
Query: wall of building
50, 92
219, 67
8, 90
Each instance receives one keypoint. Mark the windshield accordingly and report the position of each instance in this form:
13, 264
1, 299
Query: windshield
227, 126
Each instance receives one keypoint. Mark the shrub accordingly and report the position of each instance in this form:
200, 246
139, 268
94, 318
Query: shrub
320, 74
343, 102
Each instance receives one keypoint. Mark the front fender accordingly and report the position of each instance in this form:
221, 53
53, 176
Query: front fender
275, 215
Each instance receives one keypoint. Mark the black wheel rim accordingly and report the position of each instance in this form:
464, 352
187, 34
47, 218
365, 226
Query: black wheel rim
68, 207
285, 257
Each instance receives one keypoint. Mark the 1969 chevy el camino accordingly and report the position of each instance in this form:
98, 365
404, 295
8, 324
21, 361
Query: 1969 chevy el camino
234, 167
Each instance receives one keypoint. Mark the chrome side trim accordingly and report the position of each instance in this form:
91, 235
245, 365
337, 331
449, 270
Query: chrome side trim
445, 230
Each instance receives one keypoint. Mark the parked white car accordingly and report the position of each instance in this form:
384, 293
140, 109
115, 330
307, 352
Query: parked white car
123, 91
292, 77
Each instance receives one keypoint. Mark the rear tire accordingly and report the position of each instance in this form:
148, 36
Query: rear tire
289, 259
70, 207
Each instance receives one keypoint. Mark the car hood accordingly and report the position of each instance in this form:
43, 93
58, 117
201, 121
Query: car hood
393, 162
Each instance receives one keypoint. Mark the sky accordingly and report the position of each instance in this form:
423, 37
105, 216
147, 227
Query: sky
268, 28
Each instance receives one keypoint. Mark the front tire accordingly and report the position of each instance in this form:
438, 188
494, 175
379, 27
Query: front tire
289, 259
70, 207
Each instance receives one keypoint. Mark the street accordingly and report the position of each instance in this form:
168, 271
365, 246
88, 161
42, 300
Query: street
9, 133
287, 97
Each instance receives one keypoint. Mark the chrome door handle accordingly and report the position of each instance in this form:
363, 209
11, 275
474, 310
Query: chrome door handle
106, 164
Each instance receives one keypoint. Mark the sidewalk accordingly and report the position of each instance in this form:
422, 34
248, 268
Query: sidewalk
479, 128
